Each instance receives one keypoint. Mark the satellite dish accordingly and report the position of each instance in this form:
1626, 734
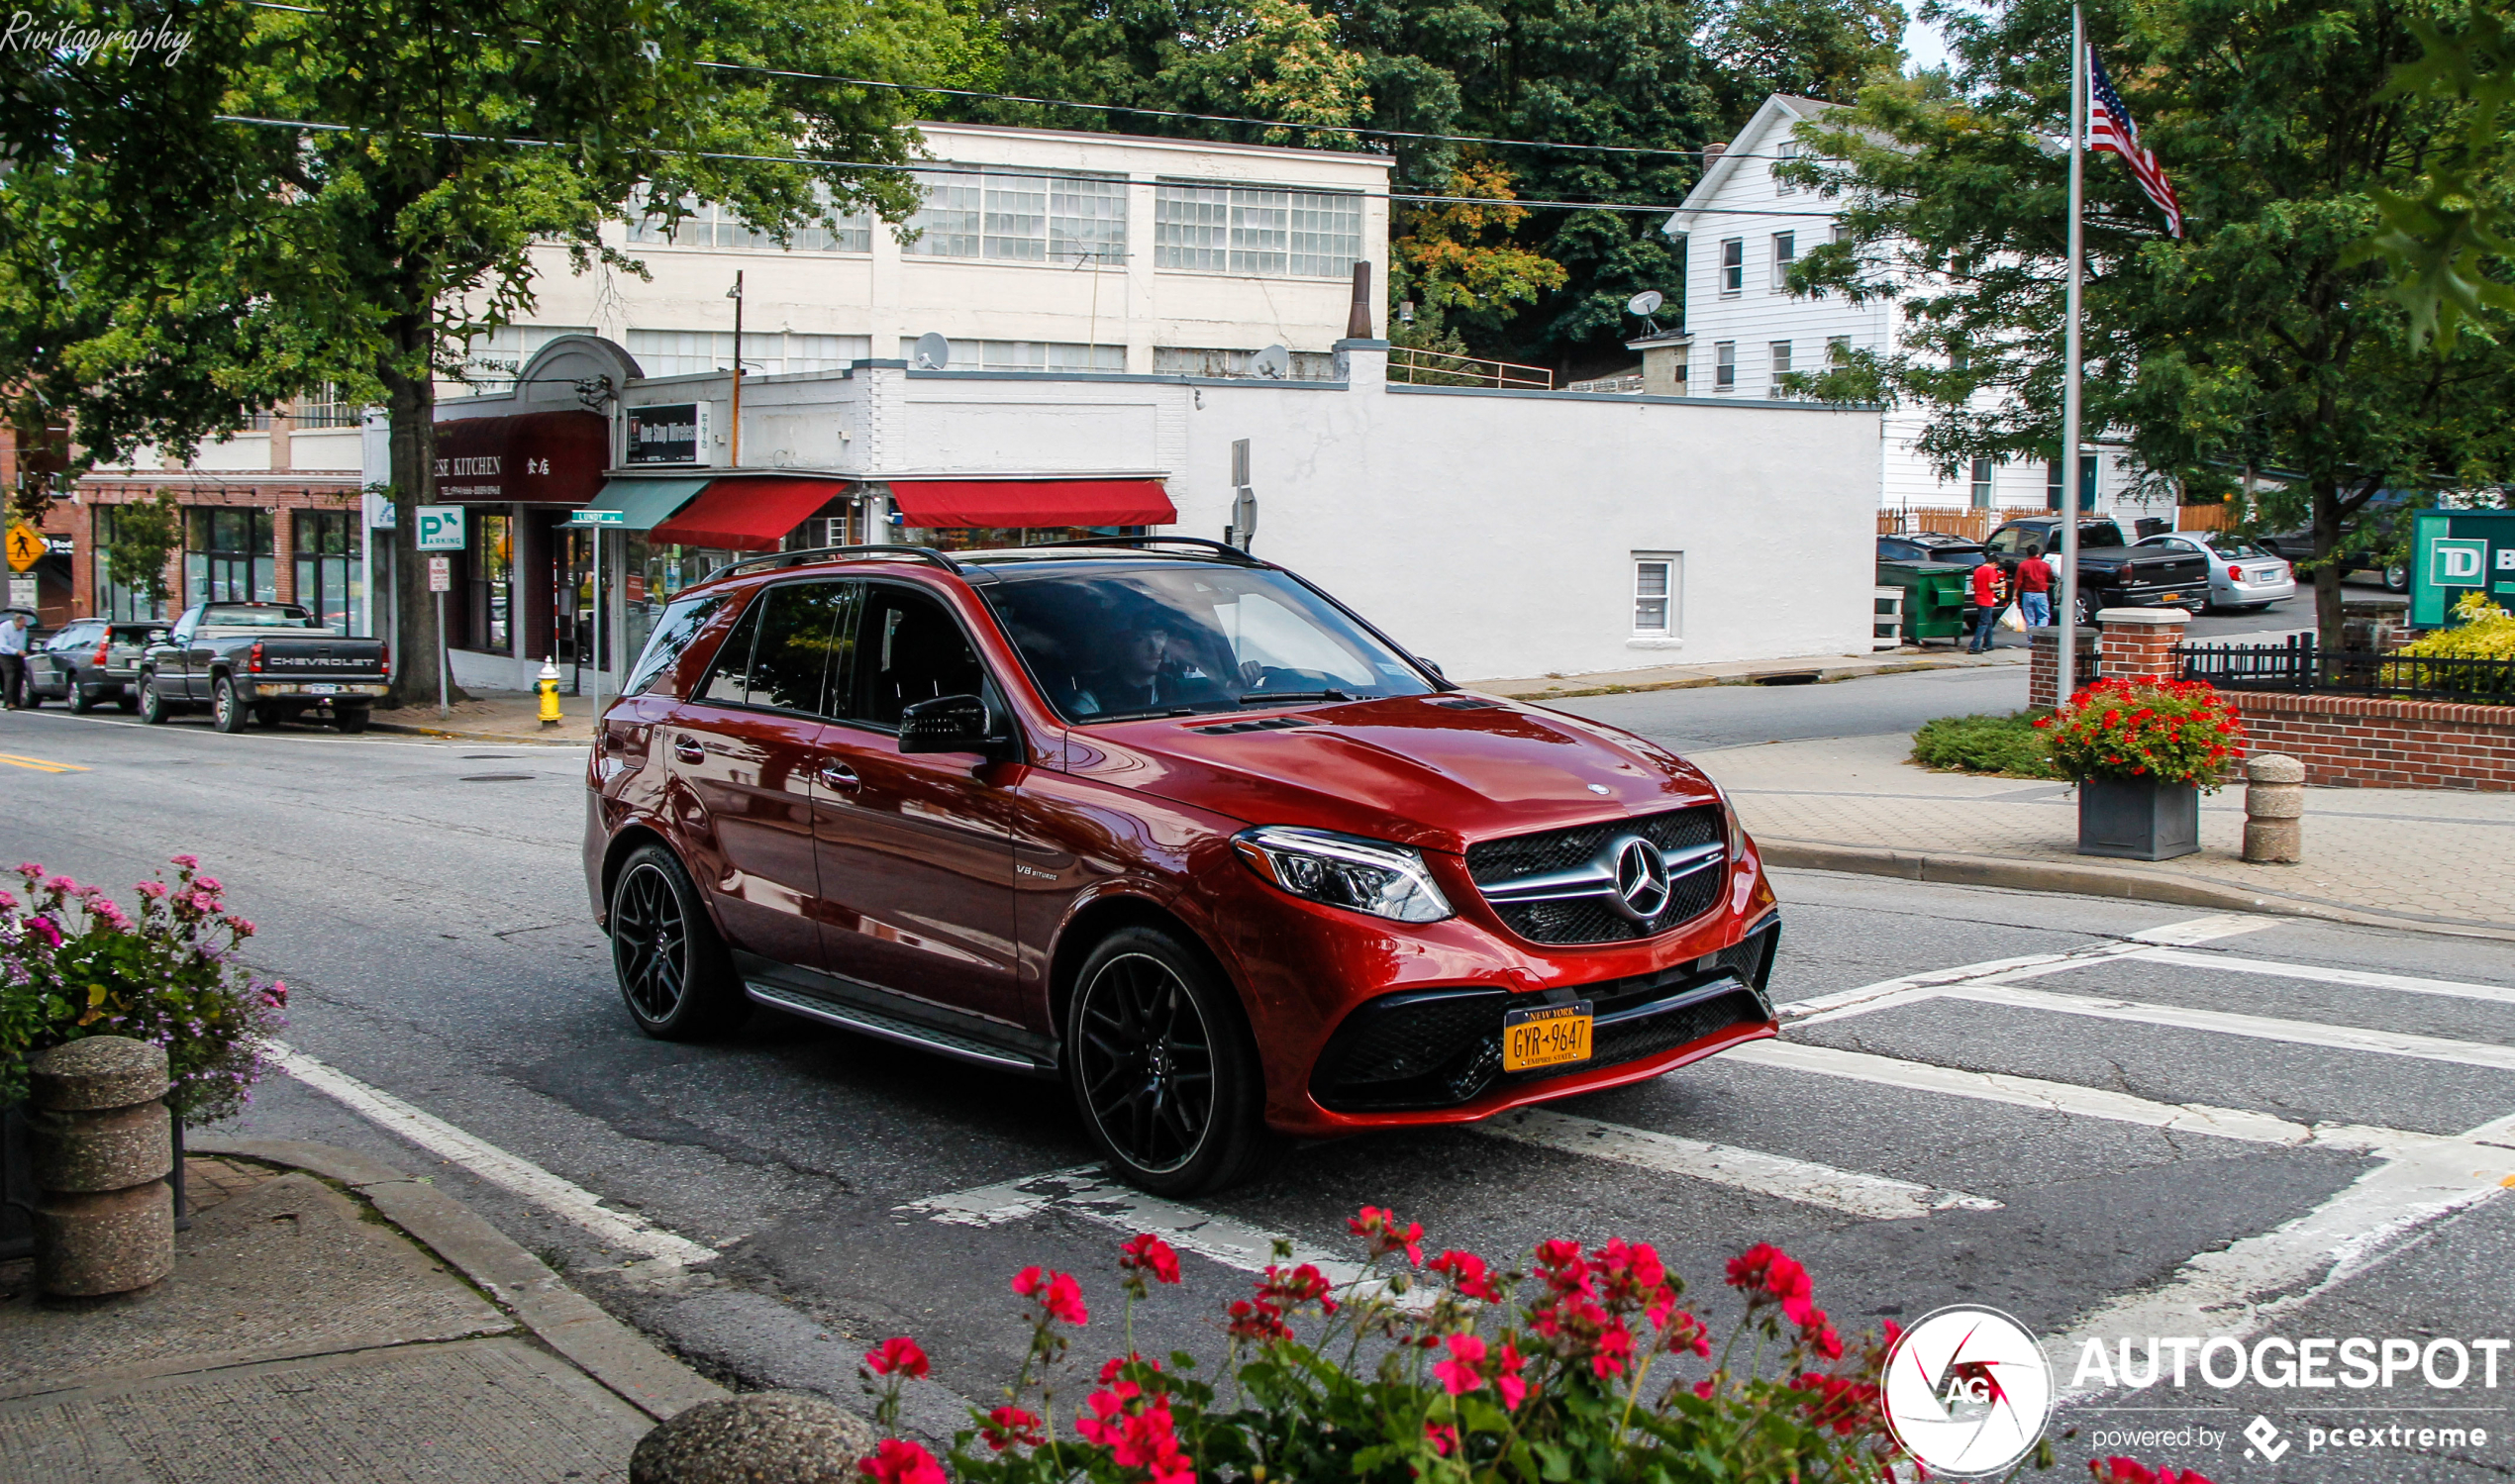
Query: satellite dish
1645, 304
933, 352
1275, 362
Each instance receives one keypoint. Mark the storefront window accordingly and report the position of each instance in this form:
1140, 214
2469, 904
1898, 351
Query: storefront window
118, 600
492, 563
227, 557
328, 544
654, 574
981, 538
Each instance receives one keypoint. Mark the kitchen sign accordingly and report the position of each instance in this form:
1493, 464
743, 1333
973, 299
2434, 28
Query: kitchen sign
674, 434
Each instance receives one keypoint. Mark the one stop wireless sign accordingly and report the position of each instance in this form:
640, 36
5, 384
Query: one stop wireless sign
2457, 552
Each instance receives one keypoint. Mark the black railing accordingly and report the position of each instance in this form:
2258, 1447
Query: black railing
2300, 665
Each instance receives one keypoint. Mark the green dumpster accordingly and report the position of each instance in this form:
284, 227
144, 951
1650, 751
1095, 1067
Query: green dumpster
1936, 597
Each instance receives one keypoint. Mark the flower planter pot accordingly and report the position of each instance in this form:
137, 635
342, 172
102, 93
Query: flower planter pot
2139, 821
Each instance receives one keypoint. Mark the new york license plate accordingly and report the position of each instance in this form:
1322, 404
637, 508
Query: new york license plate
1545, 1035
321, 690
2171, 598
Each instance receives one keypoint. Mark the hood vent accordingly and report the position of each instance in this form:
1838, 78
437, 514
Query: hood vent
1264, 724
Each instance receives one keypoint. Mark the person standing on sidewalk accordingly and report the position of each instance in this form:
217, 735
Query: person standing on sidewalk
1986, 604
12, 660
2035, 590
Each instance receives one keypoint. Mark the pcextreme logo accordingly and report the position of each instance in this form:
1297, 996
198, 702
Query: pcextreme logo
1967, 1391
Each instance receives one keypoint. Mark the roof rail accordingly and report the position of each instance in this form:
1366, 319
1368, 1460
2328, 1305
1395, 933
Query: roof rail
825, 553
1219, 549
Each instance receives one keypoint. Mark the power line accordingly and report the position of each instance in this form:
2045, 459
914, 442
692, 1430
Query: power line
963, 167
1151, 113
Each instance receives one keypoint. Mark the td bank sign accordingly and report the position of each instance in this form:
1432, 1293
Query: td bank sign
2455, 553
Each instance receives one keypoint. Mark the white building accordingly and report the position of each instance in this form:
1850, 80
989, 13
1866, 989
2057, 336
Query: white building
1743, 228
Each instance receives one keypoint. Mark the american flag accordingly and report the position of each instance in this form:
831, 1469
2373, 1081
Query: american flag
2109, 126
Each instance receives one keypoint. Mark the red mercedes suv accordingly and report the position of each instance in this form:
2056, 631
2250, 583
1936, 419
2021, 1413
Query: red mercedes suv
1169, 823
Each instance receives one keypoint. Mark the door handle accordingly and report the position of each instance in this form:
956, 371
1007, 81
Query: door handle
687, 751
840, 778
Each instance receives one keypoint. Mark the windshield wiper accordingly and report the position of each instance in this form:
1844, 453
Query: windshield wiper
1139, 712
1271, 697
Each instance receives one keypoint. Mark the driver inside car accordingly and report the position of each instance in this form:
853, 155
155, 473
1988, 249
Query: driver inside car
1150, 667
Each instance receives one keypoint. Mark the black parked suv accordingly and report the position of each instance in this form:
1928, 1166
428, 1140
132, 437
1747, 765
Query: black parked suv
2111, 574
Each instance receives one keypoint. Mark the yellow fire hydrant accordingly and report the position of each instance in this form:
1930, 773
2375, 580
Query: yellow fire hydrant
548, 685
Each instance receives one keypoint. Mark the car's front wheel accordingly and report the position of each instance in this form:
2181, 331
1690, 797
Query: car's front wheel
674, 974
152, 705
1163, 1067
2397, 578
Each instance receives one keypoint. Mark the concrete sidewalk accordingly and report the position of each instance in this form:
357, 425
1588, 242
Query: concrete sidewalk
1802, 670
497, 716
328, 1319
2409, 857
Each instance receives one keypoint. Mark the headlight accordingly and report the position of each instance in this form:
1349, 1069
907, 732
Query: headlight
1341, 870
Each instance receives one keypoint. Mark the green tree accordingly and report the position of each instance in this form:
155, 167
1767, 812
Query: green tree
427, 150
146, 535
1457, 264
1814, 48
2257, 341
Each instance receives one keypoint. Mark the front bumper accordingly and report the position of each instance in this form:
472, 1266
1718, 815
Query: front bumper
1366, 1023
318, 690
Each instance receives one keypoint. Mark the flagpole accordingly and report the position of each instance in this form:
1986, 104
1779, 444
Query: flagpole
2068, 659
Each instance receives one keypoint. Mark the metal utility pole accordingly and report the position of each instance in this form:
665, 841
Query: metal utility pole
733, 455
2067, 672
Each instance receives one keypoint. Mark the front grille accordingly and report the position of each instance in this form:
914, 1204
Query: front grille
1439, 1049
1592, 918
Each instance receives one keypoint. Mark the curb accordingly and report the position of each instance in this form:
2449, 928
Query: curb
1814, 674
1951, 869
560, 738
619, 1358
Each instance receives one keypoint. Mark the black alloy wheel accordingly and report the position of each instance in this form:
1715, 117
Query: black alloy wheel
674, 974
152, 707
228, 711
1161, 1066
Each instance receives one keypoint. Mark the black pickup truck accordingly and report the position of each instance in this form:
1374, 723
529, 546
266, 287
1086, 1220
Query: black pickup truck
2111, 574
266, 662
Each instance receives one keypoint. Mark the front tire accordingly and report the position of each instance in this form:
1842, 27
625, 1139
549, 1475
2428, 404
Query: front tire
1163, 1067
228, 711
675, 976
152, 705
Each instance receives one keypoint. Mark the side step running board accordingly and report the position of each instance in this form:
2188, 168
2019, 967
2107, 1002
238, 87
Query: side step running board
892, 1029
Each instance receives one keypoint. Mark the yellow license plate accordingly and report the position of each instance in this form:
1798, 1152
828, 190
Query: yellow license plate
1549, 1036
2171, 598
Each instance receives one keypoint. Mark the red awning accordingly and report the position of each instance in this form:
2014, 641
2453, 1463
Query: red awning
747, 513
1031, 502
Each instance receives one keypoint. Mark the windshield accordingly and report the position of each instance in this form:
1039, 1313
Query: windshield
1175, 641
256, 616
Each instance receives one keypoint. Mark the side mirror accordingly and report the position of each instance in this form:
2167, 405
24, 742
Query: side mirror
1437, 672
945, 724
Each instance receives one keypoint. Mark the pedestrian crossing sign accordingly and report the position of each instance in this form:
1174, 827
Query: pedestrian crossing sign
26, 547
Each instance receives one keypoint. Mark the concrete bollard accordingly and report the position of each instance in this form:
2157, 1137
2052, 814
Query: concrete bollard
103, 1146
2275, 810
761, 1438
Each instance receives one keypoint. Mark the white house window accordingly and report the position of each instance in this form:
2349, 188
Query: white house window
1733, 267
1982, 484
1060, 218
1785, 251
710, 225
1266, 233
325, 406
1025, 355
1780, 185
1838, 350
1656, 579
1725, 366
1780, 363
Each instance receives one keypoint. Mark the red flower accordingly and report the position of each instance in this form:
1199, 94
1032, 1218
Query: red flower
1560, 1266
1137, 1434
899, 1461
1256, 1319
1443, 1437
1007, 1425
1685, 1333
1460, 1373
1615, 1348
1386, 1235
1058, 1293
1110, 1367
1289, 1290
1469, 1275
1817, 1334
1148, 1254
897, 1353
1779, 1276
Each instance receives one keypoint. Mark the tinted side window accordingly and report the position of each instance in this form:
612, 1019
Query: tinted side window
800, 626
908, 649
729, 677
681, 624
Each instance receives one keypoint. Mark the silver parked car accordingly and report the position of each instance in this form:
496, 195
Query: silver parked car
2242, 574
90, 662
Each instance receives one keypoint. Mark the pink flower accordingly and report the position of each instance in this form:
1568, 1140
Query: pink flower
897, 1353
44, 929
30, 870
188, 863
899, 1461
211, 883
1460, 1373
62, 884
7, 903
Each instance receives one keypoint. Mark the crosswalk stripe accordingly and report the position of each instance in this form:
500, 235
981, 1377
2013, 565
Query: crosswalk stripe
2353, 978
2033, 966
2260, 1026
1873, 1196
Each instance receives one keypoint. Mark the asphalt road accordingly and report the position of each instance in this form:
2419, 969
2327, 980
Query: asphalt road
2169, 1135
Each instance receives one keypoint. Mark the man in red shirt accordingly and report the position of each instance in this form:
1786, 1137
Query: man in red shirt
1986, 604
2035, 590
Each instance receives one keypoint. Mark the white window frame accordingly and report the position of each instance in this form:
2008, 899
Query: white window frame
1981, 483
1788, 152
710, 228
1733, 267
1724, 365
1671, 599
1838, 350
1779, 351
1203, 227
1785, 251
1009, 216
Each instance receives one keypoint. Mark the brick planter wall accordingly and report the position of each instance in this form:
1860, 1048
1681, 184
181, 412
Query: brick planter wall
2353, 741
